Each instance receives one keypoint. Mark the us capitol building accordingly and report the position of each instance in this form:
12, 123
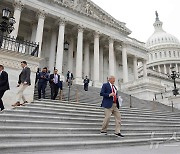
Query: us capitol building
98, 46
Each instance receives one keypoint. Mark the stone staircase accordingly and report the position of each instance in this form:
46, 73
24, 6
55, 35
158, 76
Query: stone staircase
60, 125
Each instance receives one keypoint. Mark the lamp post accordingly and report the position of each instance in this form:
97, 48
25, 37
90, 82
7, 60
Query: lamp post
173, 76
66, 47
7, 24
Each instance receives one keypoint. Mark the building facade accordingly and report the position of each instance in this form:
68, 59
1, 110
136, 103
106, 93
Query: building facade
99, 45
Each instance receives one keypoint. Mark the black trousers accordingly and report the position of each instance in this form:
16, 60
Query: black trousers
86, 86
1, 102
54, 91
41, 89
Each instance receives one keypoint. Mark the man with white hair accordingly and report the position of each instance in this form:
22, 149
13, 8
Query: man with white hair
111, 104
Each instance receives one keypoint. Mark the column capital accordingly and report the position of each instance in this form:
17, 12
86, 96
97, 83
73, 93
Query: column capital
111, 40
62, 21
96, 34
18, 5
41, 14
124, 45
81, 28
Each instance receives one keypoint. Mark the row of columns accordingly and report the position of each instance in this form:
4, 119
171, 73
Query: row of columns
165, 69
18, 7
58, 63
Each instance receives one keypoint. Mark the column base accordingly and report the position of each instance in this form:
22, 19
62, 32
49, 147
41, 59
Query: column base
97, 84
78, 81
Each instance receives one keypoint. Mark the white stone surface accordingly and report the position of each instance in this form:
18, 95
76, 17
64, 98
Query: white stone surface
12, 63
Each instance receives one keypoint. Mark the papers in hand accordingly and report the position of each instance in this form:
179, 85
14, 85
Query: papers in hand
120, 101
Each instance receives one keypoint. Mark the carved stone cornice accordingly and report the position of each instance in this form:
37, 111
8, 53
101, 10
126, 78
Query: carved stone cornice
90, 9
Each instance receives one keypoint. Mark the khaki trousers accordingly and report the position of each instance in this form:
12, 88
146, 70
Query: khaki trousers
20, 95
108, 112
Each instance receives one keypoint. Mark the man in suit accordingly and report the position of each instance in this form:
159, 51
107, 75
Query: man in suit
54, 84
23, 82
86, 83
42, 82
111, 105
70, 77
4, 85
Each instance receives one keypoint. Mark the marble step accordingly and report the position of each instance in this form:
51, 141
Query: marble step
81, 116
35, 107
86, 119
51, 130
45, 146
89, 105
67, 124
20, 138
82, 106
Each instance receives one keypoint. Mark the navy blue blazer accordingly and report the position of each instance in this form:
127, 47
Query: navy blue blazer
107, 101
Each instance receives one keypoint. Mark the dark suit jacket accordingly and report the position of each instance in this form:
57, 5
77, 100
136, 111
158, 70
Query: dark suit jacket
43, 77
107, 101
4, 83
69, 76
59, 84
51, 78
25, 76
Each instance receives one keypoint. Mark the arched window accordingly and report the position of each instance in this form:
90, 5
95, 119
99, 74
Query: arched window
160, 55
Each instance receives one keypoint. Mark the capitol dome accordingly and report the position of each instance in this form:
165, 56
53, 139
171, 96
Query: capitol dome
160, 37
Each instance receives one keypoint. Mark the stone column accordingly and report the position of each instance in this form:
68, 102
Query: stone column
96, 59
86, 59
18, 6
33, 34
124, 62
39, 31
60, 46
52, 51
79, 56
159, 68
135, 68
165, 69
177, 70
70, 54
111, 57
101, 64
145, 68
170, 65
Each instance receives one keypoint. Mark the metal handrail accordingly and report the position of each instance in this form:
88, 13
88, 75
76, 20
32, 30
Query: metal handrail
25, 47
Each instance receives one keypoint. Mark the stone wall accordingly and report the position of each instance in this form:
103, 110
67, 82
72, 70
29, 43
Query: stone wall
12, 63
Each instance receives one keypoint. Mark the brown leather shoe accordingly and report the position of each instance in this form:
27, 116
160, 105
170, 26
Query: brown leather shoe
16, 104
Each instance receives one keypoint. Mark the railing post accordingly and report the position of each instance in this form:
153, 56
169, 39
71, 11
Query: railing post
130, 101
61, 95
154, 105
77, 95
155, 96
172, 106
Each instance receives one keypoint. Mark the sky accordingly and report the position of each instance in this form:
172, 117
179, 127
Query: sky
139, 15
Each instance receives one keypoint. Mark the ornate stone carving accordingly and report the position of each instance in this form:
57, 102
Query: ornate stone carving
90, 9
